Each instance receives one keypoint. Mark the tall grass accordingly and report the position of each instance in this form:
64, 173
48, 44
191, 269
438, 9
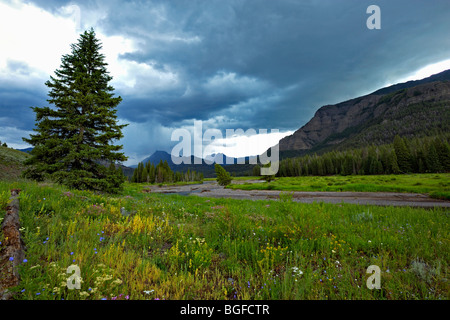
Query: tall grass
152, 246
437, 185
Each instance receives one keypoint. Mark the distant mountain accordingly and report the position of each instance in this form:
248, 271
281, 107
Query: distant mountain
27, 150
206, 168
158, 156
413, 109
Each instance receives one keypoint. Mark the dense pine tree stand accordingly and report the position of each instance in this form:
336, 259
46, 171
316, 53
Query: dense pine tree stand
403, 155
78, 130
162, 173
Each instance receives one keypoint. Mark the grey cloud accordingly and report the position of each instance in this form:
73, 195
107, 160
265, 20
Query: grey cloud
288, 58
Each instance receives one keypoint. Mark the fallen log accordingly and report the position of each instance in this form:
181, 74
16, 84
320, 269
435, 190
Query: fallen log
12, 254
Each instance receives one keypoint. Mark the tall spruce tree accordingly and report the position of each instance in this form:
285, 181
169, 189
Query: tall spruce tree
403, 155
77, 134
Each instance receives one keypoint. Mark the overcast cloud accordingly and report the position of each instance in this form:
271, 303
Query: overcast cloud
231, 63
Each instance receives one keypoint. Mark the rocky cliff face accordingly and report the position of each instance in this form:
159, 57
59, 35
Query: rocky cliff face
335, 120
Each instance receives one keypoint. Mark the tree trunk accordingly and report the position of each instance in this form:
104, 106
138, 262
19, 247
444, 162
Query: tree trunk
12, 253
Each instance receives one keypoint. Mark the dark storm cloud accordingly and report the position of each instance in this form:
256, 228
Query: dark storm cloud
262, 64
18, 93
323, 48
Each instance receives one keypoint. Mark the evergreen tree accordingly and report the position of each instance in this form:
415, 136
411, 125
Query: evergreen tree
347, 165
432, 159
139, 170
403, 155
74, 136
443, 152
144, 175
159, 173
223, 177
256, 170
393, 164
134, 176
152, 173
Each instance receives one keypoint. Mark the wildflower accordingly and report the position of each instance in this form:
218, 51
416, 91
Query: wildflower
11, 258
127, 297
25, 260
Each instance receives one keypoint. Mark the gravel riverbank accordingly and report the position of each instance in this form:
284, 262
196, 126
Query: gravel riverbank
213, 190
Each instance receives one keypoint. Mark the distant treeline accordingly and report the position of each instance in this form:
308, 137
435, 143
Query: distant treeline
402, 156
162, 173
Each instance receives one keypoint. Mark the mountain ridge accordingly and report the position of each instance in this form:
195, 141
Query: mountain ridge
335, 125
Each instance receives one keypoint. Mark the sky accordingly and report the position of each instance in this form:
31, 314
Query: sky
231, 64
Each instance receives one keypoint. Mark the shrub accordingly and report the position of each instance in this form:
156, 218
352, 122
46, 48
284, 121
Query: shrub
223, 177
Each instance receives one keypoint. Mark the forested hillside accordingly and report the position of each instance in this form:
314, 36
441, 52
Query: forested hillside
422, 110
403, 155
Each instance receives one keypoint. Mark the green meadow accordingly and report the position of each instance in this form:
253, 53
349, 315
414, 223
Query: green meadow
139, 245
435, 184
